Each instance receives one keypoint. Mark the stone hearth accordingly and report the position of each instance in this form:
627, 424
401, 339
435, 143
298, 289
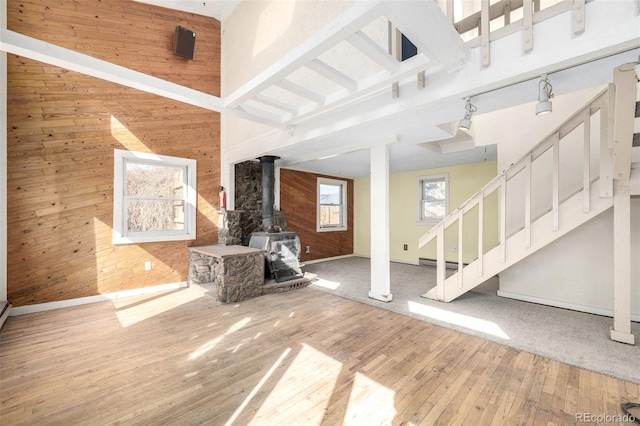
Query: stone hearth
237, 272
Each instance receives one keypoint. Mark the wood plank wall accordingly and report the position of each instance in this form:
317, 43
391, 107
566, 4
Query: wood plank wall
63, 128
298, 197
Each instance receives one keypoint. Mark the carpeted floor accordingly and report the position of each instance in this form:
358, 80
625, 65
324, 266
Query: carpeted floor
568, 336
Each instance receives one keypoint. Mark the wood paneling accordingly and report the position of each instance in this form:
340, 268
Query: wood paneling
304, 357
298, 197
63, 127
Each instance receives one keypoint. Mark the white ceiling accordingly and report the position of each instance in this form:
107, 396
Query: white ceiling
219, 9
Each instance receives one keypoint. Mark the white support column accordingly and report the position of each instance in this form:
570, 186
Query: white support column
3, 162
621, 330
380, 258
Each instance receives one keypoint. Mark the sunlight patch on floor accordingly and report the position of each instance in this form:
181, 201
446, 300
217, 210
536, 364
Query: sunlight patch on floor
131, 311
331, 285
214, 342
306, 392
370, 403
257, 387
461, 320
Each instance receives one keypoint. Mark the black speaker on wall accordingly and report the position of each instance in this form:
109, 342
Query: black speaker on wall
184, 41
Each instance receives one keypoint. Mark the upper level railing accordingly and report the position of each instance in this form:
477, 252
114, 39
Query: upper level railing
498, 19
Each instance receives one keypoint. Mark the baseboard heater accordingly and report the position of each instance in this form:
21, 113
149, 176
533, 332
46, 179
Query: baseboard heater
6, 307
432, 262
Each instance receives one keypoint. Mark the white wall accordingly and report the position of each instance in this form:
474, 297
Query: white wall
577, 269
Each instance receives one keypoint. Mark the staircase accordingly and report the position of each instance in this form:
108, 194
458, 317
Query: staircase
567, 210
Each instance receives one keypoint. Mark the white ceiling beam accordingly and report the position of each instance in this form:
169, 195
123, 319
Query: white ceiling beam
337, 30
424, 23
266, 100
28, 47
333, 74
38, 50
263, 116
319, 152
301, 91
376, 53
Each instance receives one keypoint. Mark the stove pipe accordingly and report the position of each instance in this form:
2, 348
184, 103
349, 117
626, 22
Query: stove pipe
268, 196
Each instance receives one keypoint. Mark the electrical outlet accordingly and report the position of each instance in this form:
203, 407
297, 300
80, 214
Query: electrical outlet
148, 265
406, 247
307, 249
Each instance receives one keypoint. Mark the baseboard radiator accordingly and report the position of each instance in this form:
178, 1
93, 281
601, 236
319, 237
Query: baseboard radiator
4, 314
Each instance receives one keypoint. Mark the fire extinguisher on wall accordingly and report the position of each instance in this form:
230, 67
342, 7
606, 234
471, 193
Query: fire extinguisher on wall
223, 199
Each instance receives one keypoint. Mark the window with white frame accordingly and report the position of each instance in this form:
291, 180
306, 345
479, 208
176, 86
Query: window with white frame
433, 198
154, 198
332, 205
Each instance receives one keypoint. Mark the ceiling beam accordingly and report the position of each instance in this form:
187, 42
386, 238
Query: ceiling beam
376, 53
300, 91
28, 47
275, 103
333, 74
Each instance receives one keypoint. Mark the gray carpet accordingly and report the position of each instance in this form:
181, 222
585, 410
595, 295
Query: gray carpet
568, 336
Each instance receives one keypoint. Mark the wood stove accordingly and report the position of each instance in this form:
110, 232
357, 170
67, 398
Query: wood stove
282, 249
282, 254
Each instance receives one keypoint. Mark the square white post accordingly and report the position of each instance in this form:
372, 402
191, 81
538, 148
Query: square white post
380, 268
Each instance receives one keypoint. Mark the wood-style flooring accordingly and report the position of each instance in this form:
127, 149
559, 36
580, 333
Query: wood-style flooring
299, 358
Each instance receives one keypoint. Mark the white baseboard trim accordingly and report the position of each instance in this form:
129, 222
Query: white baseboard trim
407, 262
564, 305
328, 259
40, 307
381, 297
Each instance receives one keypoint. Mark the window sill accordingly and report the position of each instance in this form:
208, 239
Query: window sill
336, 229
118, 240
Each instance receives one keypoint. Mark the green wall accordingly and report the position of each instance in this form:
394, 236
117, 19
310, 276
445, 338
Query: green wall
464, 181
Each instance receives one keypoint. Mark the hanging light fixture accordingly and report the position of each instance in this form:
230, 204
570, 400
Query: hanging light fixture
465, 123
545, 92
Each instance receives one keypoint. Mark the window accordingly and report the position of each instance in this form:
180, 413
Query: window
332, 209
400, 47
433, 198
154, 198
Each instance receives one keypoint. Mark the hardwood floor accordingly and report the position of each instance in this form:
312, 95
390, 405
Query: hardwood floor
304, 357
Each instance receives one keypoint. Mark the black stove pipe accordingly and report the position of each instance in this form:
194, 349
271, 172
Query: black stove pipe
267, 163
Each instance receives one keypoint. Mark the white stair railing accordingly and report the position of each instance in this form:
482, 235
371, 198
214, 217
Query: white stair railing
524, 167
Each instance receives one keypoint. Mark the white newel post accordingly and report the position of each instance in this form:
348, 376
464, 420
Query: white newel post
380, 268
624, 80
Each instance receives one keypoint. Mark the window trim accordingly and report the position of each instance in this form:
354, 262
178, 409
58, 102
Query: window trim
120, 233
419, 188
343, 188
